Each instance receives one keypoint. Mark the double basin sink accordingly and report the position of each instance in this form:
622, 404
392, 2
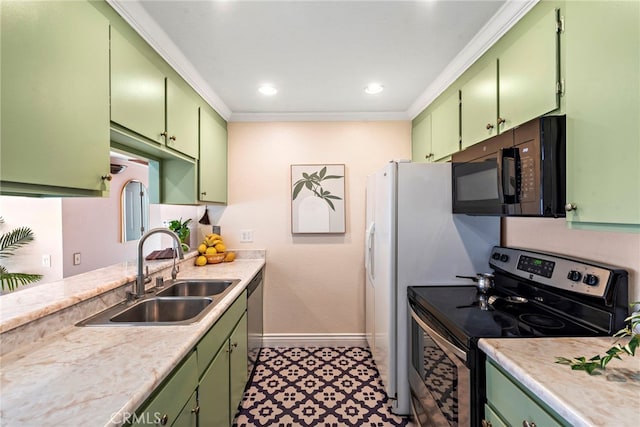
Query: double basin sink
180, 302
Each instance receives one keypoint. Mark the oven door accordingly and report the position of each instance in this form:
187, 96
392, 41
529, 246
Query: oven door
438, 377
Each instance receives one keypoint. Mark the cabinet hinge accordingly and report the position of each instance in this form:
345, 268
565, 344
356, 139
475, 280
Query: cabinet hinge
560, 87
560, 24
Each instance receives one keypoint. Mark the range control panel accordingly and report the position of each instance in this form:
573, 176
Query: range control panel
553, 270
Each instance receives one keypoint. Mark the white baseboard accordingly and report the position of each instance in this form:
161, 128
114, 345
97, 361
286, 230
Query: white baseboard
314, 340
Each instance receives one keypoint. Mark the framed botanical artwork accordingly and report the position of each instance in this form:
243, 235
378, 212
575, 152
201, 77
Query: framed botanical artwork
317, 199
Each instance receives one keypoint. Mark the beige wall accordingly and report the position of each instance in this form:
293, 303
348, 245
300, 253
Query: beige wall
314, 283
552, 235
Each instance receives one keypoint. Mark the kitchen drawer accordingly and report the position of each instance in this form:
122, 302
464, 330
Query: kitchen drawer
210, 344
173, 396
491, 419
512, 403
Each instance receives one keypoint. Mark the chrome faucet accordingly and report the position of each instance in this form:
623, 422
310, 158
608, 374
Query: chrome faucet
141, 279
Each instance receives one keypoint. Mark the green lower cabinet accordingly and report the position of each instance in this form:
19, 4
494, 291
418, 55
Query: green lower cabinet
237, 365
174, 400
491, 419
188, 417
213, 392
513, 405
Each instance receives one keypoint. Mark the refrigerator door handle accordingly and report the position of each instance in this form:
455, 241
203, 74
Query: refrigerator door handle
369, 258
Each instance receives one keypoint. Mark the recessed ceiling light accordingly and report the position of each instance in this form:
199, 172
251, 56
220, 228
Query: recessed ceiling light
267, 90
373, 88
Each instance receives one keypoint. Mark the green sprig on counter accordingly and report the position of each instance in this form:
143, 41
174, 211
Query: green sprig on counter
599, 362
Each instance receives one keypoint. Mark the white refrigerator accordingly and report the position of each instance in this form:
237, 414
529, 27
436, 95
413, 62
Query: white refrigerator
413, 239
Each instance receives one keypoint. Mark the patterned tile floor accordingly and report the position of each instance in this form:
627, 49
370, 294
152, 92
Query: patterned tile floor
316, 386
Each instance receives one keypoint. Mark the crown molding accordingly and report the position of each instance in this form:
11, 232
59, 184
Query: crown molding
508, 15
138, 18
320, 117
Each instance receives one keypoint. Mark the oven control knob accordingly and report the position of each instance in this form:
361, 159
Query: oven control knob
574, 276
504, 257
495, 256
590, 279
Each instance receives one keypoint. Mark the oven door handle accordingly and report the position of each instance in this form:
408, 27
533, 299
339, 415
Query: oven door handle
437, 338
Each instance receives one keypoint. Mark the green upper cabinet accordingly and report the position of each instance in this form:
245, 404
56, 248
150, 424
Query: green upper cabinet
150, 104
55, 99
480, 106
137, 90
518, 83
529, 74
212, 163
421, 140
182, 121
445, 127
603, 113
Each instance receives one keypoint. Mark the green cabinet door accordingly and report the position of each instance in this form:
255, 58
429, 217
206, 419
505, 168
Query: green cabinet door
182, 121
213, 391
603, 110
212, 163
421, 141
529, 73
445, 127
55, 98
480, 106
170, 400
137, 90
188, 417
237, 365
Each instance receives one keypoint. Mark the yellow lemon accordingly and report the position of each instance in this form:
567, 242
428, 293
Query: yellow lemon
213, 236
211, 251
202, 248
201, 260
220, 247
229, 257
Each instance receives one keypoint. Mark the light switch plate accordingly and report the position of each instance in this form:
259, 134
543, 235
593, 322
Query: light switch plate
246, 236
76, 258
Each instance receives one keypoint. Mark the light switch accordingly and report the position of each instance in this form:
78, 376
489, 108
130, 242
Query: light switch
246, 236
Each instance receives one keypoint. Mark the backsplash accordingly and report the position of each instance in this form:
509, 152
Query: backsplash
552, 235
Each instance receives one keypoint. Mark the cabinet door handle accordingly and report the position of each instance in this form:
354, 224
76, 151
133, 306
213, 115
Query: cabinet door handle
196, 410
569, 207
173, 137
526, 423
489, 126
204, 193
501, 121
107, 177
486, 423
163, 133
164, 419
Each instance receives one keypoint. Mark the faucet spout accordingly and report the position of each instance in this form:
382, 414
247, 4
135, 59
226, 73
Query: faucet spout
138, 287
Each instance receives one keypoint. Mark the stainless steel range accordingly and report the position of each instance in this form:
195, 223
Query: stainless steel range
534, 294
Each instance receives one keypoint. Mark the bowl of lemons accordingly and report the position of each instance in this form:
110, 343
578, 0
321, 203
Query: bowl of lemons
212, 250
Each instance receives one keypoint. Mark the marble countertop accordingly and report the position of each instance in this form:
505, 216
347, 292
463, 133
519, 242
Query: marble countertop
97, 376
609, 399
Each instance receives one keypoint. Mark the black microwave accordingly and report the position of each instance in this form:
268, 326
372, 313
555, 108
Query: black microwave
521, 172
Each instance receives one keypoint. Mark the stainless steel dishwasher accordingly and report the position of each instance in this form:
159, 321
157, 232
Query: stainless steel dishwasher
254, 320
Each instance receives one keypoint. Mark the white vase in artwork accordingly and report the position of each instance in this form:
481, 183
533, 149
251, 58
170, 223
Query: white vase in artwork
313, 216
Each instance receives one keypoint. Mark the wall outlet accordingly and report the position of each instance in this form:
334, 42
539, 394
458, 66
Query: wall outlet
76, 258
246, 236
46, 261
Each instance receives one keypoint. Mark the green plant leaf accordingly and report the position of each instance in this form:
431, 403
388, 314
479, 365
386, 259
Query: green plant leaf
305, 175
332, 177
330, 203
323, 172
14, 239
12, 280
296, 189
331, 196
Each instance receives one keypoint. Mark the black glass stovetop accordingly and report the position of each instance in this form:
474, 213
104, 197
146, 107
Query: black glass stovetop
466, 315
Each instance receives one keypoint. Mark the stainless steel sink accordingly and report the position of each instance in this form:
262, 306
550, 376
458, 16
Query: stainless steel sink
182, 302
197, 287
163, 310
153, 311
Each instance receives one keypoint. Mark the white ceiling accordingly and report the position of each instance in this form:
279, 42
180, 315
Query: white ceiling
320, 54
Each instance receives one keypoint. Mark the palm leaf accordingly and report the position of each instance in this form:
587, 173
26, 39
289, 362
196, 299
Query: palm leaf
14, 239
13, 280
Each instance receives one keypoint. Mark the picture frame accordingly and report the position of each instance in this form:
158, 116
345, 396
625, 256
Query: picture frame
318, 199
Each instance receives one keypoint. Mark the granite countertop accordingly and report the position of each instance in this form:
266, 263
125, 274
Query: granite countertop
609, 399
99, 375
